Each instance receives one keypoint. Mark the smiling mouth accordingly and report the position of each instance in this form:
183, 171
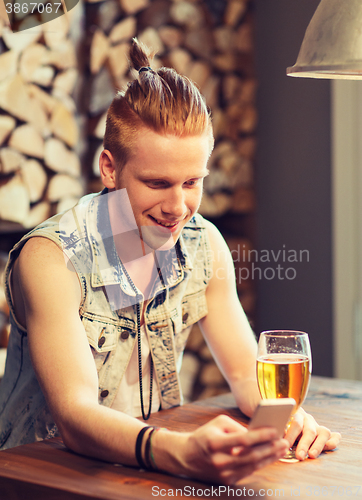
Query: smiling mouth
168, 225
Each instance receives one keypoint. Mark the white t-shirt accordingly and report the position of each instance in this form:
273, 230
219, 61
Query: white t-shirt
127, 398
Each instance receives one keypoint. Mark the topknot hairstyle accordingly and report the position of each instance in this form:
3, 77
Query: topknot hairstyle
162, 100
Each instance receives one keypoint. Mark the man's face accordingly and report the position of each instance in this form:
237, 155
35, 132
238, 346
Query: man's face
164, 181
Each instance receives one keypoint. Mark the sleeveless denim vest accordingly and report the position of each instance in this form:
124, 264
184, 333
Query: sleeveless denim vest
108, 313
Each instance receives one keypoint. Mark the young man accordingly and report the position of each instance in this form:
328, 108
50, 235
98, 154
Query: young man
103, 298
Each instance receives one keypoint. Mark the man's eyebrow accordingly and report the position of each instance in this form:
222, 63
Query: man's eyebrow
147, 178
154, 177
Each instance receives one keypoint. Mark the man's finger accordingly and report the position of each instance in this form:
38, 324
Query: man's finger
228, 441
294, 429
333, 441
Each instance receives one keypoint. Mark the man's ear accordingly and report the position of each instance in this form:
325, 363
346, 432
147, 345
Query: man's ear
107, 169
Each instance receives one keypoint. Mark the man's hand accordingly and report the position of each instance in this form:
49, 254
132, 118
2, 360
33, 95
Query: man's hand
221, 451
314, 438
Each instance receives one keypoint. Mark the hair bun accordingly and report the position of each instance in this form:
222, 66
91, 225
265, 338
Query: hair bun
140, 55
144, 68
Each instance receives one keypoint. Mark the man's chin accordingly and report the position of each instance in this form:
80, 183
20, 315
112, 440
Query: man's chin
159, 239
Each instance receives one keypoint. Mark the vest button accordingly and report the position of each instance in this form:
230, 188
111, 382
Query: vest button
124, 335
104, 393
184, 317
101, 341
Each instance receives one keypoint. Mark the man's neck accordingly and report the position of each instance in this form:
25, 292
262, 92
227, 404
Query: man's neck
143, 272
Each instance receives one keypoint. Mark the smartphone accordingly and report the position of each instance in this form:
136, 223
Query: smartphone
273, 413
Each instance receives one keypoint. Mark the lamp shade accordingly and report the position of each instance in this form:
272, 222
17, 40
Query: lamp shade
332, 45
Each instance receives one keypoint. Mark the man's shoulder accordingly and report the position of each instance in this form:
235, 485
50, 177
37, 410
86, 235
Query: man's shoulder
39, 250
39, 257
39, 244
54, 236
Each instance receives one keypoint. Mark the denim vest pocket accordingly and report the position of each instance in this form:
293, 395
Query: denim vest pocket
193, 308
189, 312
102, 335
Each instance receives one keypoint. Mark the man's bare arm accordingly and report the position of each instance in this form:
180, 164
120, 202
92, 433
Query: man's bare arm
232, 342
62, 358
226, 327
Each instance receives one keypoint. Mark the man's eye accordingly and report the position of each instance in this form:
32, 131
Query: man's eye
155, 184
192, 182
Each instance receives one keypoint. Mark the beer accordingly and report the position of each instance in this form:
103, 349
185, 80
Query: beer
283, 376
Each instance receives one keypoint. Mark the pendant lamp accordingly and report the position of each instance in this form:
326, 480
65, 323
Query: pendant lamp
332, 45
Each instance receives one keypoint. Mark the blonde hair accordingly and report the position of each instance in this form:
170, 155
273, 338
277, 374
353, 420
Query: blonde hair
162, 100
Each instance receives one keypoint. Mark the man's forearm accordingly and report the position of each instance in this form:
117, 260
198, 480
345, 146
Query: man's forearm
100, 432
246, 394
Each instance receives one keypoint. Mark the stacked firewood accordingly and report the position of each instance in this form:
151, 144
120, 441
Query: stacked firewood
40, 170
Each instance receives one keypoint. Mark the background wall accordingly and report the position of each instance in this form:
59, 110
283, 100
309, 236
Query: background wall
70, 78
293, 183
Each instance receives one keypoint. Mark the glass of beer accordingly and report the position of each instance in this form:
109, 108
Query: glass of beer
284, 367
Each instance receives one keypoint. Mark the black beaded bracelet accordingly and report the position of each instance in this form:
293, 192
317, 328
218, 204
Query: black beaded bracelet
148, 448
139, 446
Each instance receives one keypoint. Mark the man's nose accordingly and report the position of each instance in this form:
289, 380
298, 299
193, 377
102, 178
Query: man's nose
174, 202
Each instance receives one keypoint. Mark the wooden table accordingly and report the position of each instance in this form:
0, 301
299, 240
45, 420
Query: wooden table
47, 470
